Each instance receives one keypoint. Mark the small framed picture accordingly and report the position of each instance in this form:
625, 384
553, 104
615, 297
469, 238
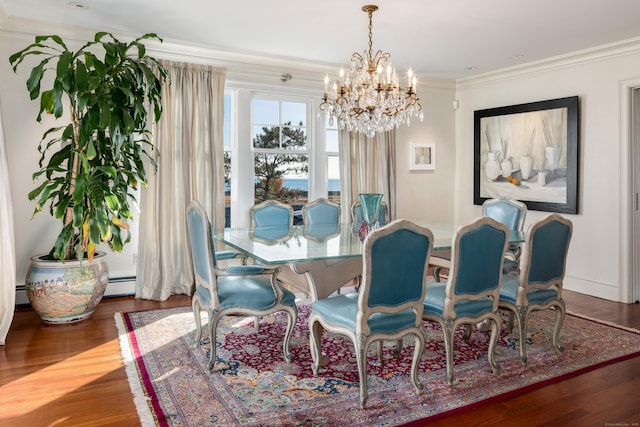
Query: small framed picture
422, 156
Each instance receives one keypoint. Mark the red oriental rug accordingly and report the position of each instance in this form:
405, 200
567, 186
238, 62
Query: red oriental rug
253, 386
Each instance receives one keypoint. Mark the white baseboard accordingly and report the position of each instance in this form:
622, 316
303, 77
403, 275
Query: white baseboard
121, 287
600, 290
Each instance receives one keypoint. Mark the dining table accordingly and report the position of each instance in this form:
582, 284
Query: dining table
319, 259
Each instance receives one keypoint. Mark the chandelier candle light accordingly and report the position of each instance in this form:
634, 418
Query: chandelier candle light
368, 97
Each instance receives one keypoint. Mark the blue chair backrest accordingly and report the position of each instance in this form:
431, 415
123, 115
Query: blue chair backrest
271, 213
320, 232
550, 240
200, 240
507, 211
270, 235
321, 211
477, 256
398, 263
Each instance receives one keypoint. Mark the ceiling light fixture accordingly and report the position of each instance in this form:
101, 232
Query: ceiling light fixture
368, 98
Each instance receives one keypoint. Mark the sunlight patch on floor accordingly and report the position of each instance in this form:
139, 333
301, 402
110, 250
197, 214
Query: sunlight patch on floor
78, 372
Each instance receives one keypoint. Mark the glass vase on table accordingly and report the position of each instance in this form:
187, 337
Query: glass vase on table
370, 209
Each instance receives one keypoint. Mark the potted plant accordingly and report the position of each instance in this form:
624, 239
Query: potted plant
89, 167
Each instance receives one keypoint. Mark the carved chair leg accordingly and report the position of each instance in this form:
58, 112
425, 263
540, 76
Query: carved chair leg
449, 331
361, 358
493, 341
467, 333
315, 338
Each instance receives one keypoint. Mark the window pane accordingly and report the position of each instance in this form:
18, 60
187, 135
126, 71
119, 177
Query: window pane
294, 113
266, 137
226, 126
227, 108
266, 112
331, 136
294, 138
227, 188
333, 174
282, 177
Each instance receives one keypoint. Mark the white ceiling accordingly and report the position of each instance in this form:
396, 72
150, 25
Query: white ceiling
437, 38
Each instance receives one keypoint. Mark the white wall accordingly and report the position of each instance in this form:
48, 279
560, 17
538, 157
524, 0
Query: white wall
599, 240
428, 194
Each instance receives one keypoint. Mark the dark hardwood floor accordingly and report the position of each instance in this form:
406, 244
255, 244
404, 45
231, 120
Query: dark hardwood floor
73, 375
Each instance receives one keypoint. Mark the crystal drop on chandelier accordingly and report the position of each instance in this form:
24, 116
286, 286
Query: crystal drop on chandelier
368, 98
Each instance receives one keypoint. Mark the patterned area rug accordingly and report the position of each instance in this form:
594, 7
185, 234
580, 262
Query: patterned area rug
253, 386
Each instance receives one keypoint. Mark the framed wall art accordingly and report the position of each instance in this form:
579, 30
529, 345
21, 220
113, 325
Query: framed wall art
422, 156
529, 152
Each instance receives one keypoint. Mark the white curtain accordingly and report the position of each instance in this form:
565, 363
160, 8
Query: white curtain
190, 167
7, 251
367, 165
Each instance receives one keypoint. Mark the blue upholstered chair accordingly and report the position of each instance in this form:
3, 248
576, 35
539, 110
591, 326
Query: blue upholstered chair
389, 303
320, 232
357, 214
504, 209
512, 213
271, 213
270, 235
539, 285
321, 211
472, 290
321, 219
227, 255
250, 290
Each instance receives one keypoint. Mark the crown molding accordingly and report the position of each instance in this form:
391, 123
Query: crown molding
241, 66
598, 53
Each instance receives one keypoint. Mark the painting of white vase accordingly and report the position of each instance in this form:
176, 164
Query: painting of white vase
526, 166
552, 157
492, 167
528, 152
507, 167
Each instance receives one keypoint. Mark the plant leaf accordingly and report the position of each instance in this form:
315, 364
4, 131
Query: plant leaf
112, 203
33, 82
91, 151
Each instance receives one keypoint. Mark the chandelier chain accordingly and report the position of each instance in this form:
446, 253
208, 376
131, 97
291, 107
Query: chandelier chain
370, 12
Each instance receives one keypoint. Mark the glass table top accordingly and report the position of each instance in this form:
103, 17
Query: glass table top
278, 245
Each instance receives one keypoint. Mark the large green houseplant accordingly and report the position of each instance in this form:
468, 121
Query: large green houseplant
90, 167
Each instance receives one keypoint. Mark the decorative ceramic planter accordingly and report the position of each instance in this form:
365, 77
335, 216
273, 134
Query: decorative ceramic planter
66, 292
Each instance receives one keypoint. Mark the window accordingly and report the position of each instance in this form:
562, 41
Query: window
333, 161
276, 146
281, 149
227, 129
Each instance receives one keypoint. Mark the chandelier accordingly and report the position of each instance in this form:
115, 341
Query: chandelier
368, 97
